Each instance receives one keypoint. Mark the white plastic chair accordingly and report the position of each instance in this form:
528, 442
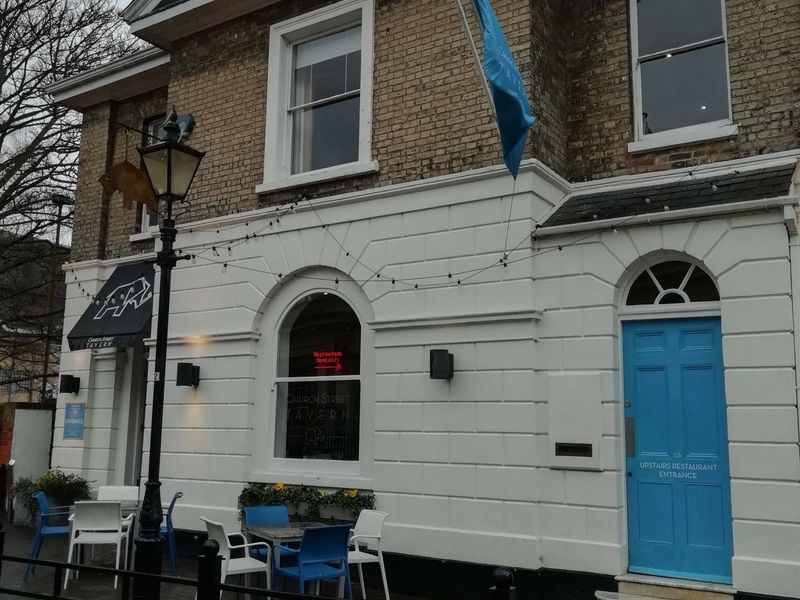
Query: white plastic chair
238, 566
95, 523
128, 496
368, 528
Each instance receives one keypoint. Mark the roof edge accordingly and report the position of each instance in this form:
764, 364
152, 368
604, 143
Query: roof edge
84, 89
115, 66
135, 9
672, 215
665, 176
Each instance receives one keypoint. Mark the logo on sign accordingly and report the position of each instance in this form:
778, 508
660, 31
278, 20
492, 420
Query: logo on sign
133, 294
328, 361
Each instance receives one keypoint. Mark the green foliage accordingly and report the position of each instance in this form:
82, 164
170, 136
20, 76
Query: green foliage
24, 489
64, 488
305, 503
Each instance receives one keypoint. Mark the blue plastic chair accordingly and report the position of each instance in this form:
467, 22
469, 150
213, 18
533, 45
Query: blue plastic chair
168, 532
322, 555
45, 530
264, 516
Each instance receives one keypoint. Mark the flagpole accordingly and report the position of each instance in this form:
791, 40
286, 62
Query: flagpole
477, 58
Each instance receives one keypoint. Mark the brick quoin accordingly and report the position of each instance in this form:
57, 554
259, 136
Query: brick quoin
430, 115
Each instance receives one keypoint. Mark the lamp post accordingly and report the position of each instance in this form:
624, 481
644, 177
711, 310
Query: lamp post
170, 167
58, 200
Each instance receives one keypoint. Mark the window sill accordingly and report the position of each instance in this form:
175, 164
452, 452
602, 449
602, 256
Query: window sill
329, 480
683, 137
338, 172
147, 235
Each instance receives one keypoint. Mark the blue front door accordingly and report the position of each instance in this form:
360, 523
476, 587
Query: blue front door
676, 445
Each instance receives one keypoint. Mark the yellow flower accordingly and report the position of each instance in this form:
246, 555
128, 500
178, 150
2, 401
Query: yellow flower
278, 487
351, 493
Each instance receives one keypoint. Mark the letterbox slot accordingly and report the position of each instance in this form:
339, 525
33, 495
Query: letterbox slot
581, 450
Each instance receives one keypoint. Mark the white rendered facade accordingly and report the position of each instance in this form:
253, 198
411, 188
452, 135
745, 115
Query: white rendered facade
465, 468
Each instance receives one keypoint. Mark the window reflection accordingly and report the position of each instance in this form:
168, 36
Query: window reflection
667, 24
687, 89
326, 101
672, 282
682, 63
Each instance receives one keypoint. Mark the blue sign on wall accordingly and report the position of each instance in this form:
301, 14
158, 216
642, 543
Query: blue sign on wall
74, 419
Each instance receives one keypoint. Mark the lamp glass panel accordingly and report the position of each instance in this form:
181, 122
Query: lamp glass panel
155, 163
184, 166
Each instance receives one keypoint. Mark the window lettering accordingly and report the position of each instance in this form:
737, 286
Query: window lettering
319, 391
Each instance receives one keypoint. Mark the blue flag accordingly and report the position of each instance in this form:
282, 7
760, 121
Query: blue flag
514, 116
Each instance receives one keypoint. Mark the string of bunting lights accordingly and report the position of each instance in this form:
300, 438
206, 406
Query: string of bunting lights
458, 277
416, 283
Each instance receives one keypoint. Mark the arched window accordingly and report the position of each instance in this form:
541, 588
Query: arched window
319, 381
672, 282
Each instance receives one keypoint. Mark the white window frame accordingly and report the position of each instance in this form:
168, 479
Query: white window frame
692, 134
278, 139
636, 312
264, 465
284, 337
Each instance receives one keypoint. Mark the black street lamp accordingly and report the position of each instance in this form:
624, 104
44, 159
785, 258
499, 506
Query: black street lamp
170, 166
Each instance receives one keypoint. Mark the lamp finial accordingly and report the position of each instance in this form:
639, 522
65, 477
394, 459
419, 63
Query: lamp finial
171, 127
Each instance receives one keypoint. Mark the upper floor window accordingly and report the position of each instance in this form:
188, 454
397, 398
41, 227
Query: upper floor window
153, 133
319, 96
680, 69
325, 101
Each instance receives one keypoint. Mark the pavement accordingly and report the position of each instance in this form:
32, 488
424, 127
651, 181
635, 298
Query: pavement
94, 586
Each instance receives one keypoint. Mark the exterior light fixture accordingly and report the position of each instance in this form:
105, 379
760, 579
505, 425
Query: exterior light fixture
69, 384
188, 375
441, 364
171, 165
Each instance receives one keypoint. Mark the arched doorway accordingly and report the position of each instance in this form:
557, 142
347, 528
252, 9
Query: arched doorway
676, 445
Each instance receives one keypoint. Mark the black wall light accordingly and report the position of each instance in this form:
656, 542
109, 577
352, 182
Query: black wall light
69, 384
188, 375
441, 364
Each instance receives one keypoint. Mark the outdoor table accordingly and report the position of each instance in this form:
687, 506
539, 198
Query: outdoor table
280, 534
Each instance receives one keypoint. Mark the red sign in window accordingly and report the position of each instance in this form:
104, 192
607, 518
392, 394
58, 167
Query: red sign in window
328, 361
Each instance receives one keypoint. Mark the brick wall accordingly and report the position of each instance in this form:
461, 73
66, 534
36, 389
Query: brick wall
123, 223
548, 88
765, 89
96, 133
430, 116
88, 194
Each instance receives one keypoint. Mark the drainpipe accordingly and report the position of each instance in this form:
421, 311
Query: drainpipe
791, 217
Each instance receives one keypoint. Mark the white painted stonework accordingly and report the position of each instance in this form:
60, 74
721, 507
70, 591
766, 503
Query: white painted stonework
465, 468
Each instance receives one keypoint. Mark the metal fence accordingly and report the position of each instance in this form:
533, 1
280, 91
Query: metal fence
207, 585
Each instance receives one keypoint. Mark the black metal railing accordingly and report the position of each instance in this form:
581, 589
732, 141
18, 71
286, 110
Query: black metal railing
207, 585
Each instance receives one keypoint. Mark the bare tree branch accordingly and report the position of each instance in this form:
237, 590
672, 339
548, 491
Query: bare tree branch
41, 42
